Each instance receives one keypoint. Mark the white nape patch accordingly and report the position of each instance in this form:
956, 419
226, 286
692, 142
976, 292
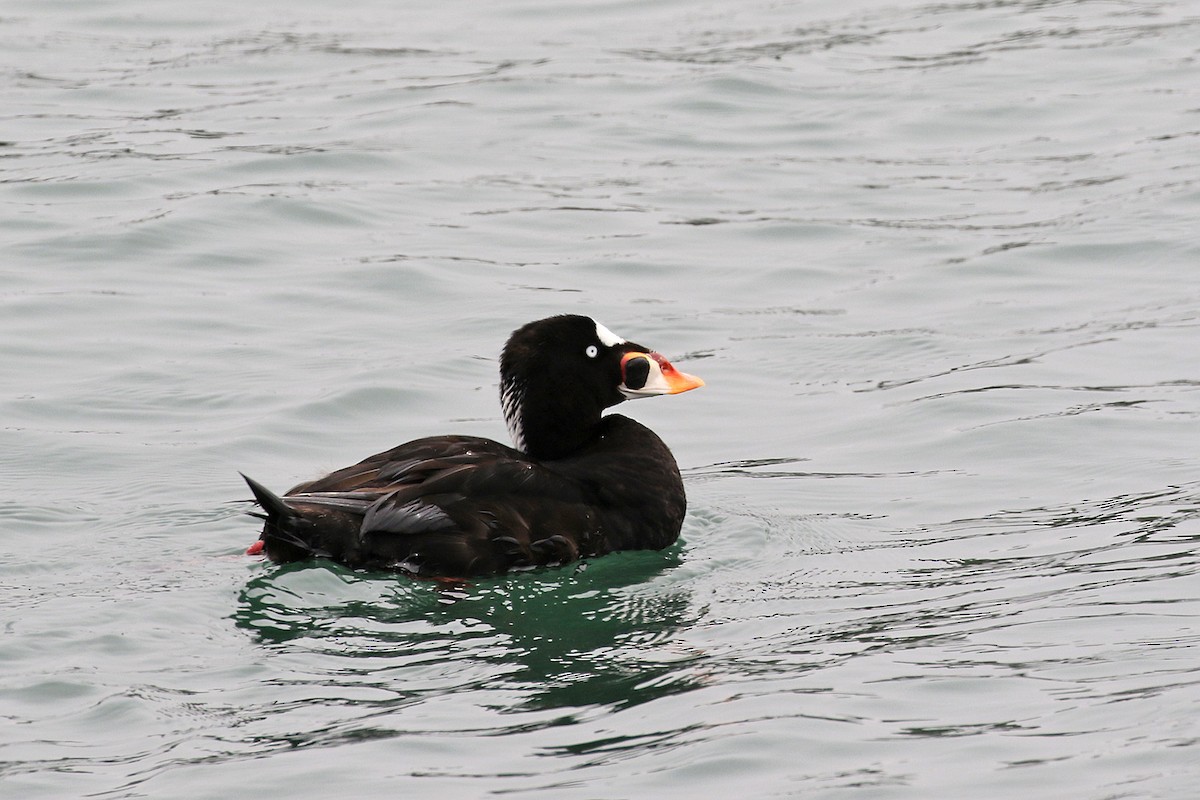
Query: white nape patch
512, 397
607, 337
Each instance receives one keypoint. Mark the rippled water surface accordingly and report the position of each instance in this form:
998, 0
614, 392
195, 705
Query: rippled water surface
938, 262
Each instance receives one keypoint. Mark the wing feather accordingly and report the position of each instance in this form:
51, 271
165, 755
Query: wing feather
413, 517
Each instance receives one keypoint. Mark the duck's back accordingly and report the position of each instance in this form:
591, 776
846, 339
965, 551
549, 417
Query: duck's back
459, 505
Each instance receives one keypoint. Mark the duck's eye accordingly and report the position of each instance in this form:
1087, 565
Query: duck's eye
591, 351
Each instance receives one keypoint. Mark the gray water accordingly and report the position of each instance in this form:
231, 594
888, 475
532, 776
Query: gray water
936, 261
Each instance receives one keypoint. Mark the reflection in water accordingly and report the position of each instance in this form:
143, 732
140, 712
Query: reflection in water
570, 638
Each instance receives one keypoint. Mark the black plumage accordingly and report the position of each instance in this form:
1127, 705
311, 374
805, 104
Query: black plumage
578, 483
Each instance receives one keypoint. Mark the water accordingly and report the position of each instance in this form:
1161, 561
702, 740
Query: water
937, 263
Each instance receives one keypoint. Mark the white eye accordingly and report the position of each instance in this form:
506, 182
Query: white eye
591, 351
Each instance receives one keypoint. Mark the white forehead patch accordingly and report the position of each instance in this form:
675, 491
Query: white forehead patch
607, 337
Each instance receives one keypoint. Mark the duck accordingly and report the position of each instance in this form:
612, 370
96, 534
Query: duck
576, 483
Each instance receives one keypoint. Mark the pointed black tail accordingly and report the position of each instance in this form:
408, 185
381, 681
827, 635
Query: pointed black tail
285, 528
269, 501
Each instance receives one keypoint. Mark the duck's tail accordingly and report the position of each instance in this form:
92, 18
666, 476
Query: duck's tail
287, 535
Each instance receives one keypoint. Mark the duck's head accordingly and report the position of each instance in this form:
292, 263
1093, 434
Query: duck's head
557, 374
